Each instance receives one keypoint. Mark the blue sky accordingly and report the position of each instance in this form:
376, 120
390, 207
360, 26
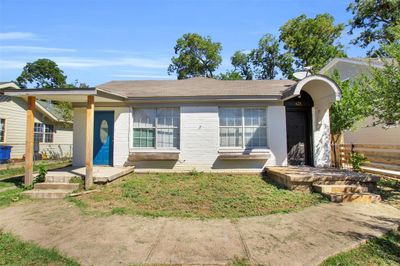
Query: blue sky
98, 41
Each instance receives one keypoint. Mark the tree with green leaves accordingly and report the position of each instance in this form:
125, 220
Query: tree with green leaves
382, 87
353, 106
268, 59
374, 18
196, 56
312, 41
242, 63
43, 73
230, 75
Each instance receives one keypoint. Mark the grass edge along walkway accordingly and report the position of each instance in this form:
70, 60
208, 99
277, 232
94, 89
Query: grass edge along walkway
383, 250
14, 251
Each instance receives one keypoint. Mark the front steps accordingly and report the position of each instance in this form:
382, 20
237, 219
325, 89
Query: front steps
347, 193
51, 190
336, 184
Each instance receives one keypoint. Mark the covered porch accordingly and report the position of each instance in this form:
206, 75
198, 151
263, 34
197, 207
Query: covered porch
87, 97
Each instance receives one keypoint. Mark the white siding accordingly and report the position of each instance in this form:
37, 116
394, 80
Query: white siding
365, 133
14, 111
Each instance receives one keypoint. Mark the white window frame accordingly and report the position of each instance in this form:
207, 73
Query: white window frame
243, 127
5, 131
44, 133
45, 126
155, 128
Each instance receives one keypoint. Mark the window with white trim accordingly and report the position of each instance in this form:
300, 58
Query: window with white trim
243, 127
156, 128
48, 133
43, 133
2, 130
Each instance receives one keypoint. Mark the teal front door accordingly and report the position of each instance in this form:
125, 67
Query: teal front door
103, 138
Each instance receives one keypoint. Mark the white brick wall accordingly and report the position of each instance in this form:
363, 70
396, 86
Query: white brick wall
200, 143
79, 137
121, 135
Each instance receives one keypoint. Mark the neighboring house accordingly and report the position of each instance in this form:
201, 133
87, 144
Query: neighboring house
363, 132
200, 123
52, 135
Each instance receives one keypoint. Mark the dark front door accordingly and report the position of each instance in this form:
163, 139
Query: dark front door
103, 138
297, 138
298, 130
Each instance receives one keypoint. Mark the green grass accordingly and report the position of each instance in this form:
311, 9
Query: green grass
12, 172
389, 189
13, 251
239, 262
10, 196
198, 196
378, 251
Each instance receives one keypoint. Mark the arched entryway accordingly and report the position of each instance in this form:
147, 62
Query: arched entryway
299, 129
316, 93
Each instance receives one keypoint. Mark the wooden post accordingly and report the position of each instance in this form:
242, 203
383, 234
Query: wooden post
30, 121
89, 141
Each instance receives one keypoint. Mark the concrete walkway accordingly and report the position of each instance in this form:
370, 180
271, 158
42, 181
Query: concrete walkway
300, 238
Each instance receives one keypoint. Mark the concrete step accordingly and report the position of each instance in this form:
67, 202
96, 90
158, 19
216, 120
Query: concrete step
354, 197
58, 178
47, 193
68, 186
339, 188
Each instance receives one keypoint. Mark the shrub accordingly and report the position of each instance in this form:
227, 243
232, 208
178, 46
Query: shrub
41, 177
356, 160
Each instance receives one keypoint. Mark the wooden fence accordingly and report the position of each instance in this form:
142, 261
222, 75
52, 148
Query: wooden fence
381, 159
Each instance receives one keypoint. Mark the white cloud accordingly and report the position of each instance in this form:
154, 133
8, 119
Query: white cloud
16, 35
80, 63
34, 49
72, 62
140, 76
11, 64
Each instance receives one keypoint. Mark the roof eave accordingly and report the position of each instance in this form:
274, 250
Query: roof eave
183, 99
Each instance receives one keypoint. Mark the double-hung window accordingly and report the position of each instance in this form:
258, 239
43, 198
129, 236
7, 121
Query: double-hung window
38, 132
244, 128
156, 128
43, 133
2, 130
48, 133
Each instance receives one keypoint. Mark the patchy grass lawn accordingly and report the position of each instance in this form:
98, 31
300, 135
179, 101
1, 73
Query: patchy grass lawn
378, 251
13, 251
194, 195
10, 196
12, 172
10, 191
389, 189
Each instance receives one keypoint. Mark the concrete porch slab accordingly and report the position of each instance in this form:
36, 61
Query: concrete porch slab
101, 174
303, 177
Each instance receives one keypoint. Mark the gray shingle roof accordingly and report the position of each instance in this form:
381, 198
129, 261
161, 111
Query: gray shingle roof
195, 87
51, 109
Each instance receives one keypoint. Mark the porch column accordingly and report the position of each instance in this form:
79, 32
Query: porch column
89, 141
30, 120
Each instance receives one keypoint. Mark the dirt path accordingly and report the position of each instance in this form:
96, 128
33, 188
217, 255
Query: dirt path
301, 238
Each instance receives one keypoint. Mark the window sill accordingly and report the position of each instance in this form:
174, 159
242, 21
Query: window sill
154, 155
241, 154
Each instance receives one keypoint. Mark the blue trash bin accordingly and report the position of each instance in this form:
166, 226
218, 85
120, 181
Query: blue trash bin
5, 153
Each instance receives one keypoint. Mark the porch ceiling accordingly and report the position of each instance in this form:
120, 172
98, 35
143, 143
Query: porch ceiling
66, 95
